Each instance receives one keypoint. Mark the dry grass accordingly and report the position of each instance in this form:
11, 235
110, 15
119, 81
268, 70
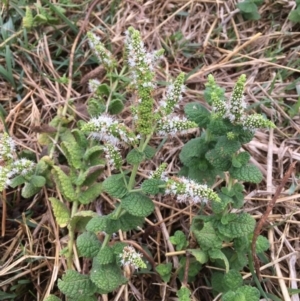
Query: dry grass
215, 39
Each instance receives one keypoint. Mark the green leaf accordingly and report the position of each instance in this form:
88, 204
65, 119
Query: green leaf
232, 280
80, 219
103, 89
103, 223
197, 113
218, 254
90, 194
294, 16
52, 298
61, 212
183, 294
115, 186
193, 271
135, 157
217, 282
149, 152
38, 181
95, 106
226, 147
137, 204
262, 244
242, 159
164, 270
248, 173
129, 222
233, 296
105, 255
64, 184
75, 285
250, 293
200, 255
218, 161
84, 298
92, 175
151, 186
247, 7
239, 225
179, 240
17, 181
80, 138
116, 106
207, 237
107, 277
195, 148
73, 153
29, 190
88, 244
93, 153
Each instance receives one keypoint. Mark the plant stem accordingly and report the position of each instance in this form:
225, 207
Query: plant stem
71, 237
106, 240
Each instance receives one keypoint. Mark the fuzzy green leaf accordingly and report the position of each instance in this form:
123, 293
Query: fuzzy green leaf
218, 161
248, 173
61, 212
129, 222
217, 282
233, 296
194, 268
93, 151
103, 89
237, 225
75, 285
226, 147
164, 270
88, 244
184, 294
149, 152
218, 254
207, 237
151, 186
137, 204
92, 175
116, 106
107, 277
80, 219
200, 255
179, 239
241, 159
90, 194
135, 157
52, 298
197, 113
294, 16
17, 181
195, 148
64, 184
115, 186
80, 138
250, 293
29, 190
232, 280
247, 7
84, 298
73, 153
105, 255
95, 106
38, 181
262, 244
103, 223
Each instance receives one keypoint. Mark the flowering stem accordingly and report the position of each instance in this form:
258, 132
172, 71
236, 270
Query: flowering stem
113, 83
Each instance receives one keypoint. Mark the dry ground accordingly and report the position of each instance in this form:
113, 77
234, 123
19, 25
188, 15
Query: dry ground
200, 37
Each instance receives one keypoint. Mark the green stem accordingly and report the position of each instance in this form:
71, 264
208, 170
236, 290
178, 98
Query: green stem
106, 240
71, 237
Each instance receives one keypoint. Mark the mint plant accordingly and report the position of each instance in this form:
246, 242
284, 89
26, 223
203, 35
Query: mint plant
218, 151
102, 137
249, 9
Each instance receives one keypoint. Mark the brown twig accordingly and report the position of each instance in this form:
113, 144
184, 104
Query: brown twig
264, 217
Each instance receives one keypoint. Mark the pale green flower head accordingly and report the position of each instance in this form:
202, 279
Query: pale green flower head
132, 258
103, 55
